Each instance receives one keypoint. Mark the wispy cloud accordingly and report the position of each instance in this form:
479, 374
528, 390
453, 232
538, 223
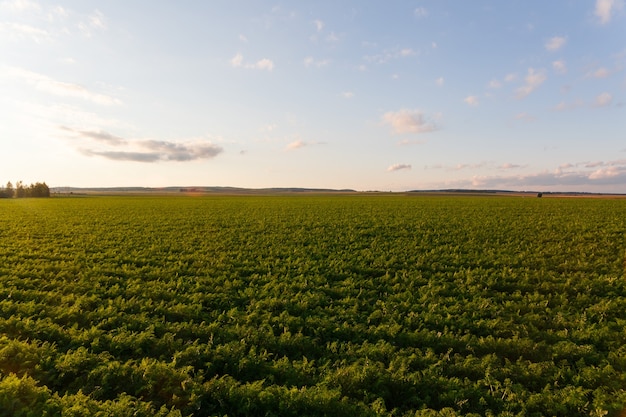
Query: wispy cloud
389, 54
508, 165
309, 61
332, 37
120, 149
21, 31
461, 167
532, 80
562, 106
299, 143
605, 9
60, 88
347, 94
398, 167
319, 25
496, 83
94, 22
408, 121
97, 20
262, 64
555, 43
440, 81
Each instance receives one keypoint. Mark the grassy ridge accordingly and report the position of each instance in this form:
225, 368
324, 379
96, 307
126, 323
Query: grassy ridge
312, 305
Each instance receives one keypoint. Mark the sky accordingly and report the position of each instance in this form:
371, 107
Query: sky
366, 95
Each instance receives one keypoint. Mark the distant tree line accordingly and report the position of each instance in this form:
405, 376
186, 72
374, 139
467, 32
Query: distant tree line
38, 189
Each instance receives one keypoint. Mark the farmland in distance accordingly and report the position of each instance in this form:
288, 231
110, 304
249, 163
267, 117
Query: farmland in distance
313, 305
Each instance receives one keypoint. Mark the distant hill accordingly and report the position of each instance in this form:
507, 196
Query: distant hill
215, 190
191, 190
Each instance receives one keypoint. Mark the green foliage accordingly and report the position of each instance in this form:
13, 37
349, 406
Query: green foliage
38, 189
312, 306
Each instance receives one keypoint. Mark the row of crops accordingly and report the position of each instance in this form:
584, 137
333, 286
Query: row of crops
312, 305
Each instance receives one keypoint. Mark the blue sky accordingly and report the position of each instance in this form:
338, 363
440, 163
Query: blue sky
520, 95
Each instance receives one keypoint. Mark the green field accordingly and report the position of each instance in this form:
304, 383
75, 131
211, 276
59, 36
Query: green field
357, 305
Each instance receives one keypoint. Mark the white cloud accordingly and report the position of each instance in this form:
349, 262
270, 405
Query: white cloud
60, 88
471, 100
58, 11
460, 167
309, 61
97, 21
243, 38
559, 67
408, 121
599, 73
319, 25
603, 100
263, 64
398, 167
296, 145
555, 43
606, 8
237, 60
524, 116
532, 81
347, 94
569, 106
510, 77
332, 37
420, 12
389, 54
268, 128
495, 84
605, 173
440, 81
20, 6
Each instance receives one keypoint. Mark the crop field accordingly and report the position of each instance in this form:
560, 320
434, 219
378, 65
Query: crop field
311, 305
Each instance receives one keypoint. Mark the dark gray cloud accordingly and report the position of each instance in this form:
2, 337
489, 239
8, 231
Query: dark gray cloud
120, 149
124, 156
171, 151
99, 135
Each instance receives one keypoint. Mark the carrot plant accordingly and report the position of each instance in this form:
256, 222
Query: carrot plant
312, 305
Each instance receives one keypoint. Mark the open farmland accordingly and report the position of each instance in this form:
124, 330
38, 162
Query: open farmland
356, 305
